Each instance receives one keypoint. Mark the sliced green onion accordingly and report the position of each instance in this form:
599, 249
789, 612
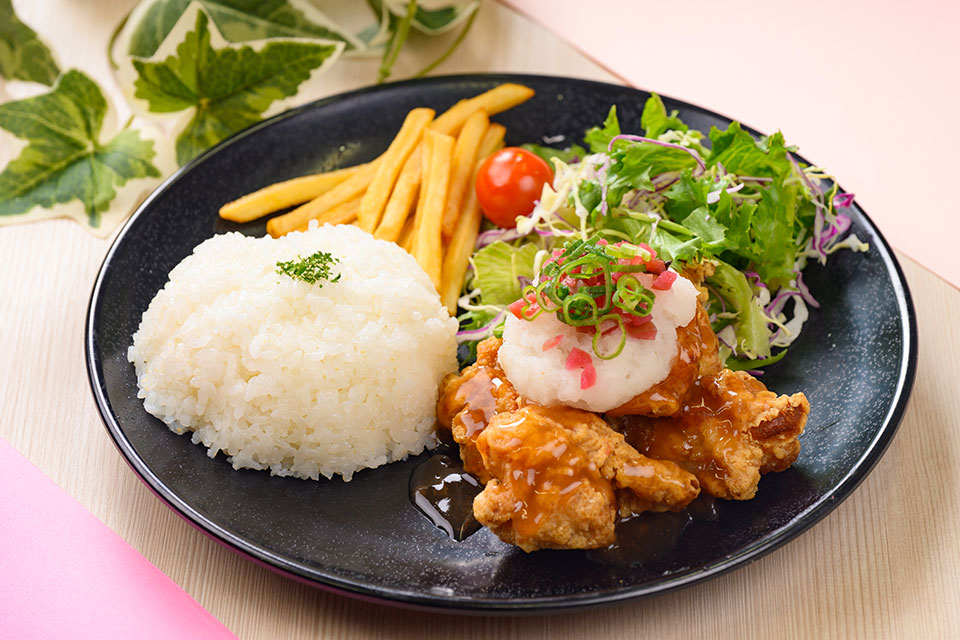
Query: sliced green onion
562, 288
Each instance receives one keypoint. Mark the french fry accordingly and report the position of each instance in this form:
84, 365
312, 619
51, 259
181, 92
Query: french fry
491, 141
343, 213
406, 235
464, 238
346, 190
402, 199
374, 200
424, 151
428, 251
494, 101
284, 194
462, 169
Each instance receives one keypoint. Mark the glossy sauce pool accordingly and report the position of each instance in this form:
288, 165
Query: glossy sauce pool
443, 492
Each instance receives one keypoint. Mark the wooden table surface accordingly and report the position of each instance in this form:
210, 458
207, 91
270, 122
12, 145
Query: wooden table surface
886, 563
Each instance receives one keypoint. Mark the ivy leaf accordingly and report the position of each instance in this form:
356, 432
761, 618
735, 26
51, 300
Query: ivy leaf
65, 159
396, 17
432, 21
378, 33
237, 21
228, 88
22, 55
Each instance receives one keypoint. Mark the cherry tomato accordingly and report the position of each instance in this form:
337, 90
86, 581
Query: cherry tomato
509, 183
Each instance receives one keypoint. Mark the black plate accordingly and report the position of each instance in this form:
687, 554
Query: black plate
855, 361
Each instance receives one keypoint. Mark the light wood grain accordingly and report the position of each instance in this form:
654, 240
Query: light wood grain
885, 564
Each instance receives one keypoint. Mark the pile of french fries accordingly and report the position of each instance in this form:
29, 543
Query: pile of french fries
419, 193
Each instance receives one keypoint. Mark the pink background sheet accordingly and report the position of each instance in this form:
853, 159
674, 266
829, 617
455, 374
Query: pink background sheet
64, 574
868, 89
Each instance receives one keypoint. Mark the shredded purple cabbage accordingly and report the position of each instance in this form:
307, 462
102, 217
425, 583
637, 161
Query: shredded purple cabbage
723, 307
724, 343
736, 188
659, 187
805, 292
753, 275
843, 200
481, 331
602, 176
838, 228
776, 305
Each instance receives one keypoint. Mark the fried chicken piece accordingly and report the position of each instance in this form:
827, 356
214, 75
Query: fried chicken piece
663, 398
556, 476
469, 400
709, 345
730, 430
697, 273
697, 355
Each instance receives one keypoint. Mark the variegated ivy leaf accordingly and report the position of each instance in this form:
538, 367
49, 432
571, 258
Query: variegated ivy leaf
65, 158
398, 16
433, 18
378, 33
227, 88
237, 20
22, 55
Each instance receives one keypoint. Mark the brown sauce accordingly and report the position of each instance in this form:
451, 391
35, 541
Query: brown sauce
650, 537
444, 492
470, 407
477, 394
680, 437
543, 468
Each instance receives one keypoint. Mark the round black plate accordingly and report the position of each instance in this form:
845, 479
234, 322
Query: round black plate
855, 361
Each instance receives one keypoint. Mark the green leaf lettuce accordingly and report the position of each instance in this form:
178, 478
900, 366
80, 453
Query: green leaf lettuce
498, 265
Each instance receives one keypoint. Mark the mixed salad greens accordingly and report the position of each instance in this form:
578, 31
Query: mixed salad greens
743, 210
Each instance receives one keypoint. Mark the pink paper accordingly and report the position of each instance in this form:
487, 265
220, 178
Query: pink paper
869, 90
64, 574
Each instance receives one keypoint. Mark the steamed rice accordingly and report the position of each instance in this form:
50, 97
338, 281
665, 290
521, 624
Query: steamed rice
292, 377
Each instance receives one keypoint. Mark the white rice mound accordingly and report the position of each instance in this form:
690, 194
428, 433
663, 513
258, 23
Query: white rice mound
292, 377
542, 376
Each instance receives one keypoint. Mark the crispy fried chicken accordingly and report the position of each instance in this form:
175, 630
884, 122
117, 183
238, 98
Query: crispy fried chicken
556, 474
558, 477
729, 431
